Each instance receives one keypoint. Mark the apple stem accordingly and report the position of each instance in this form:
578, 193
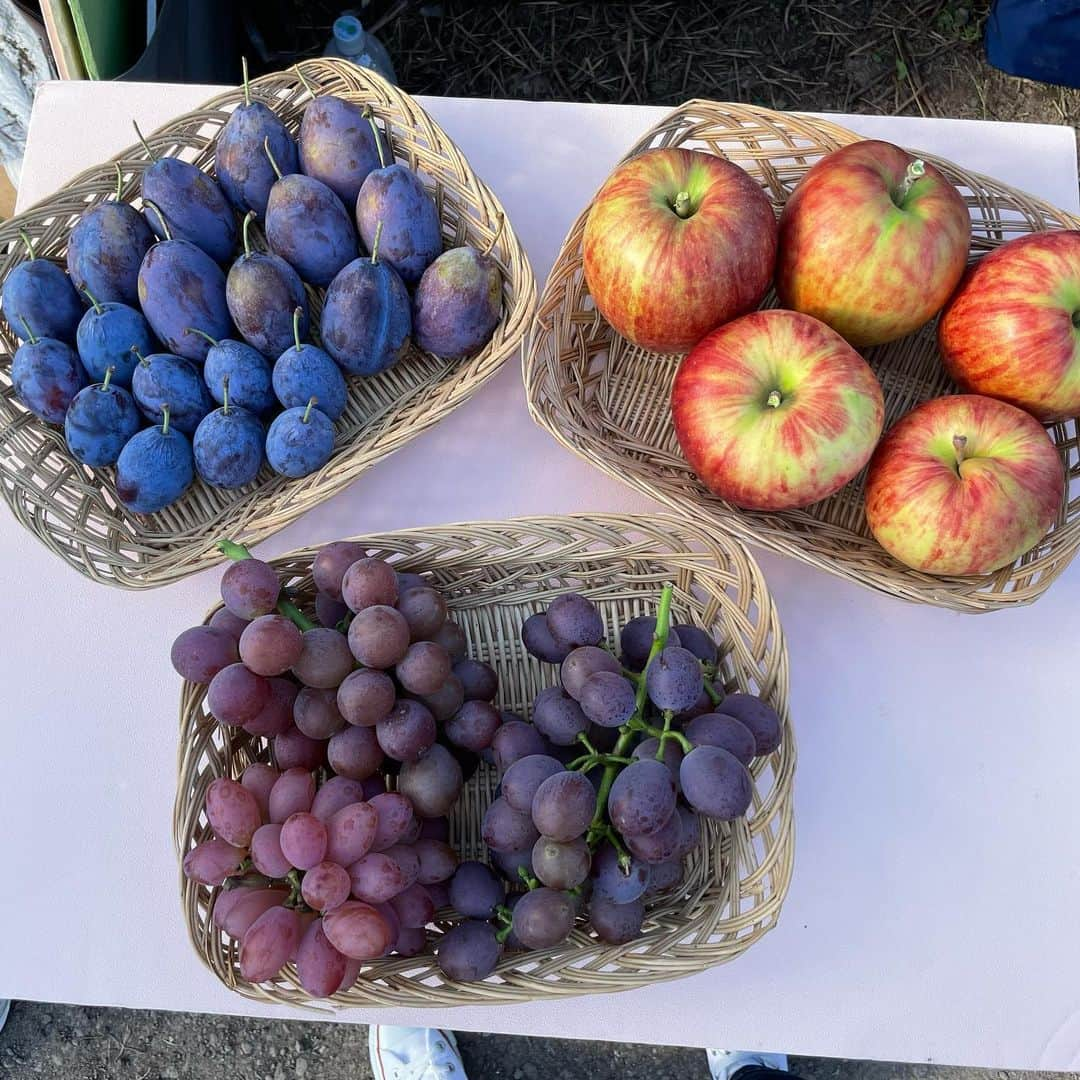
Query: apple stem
916, 169
774, 399
960, 446
681, 206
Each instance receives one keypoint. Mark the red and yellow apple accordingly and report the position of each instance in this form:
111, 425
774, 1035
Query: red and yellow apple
774, 410
1012, 329
963, 485
676, 243
872, 241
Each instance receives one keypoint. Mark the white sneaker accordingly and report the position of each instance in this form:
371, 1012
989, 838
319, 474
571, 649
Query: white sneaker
724, 1064
5, 1008
414, 1053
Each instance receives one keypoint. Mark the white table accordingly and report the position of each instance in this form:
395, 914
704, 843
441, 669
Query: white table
934, 908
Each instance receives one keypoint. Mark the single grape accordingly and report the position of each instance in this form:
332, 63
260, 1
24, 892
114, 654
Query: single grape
233, 812
715, 783
259, 778
697, 641
236, 695
659, 846
325, 659
407, 732
760, 717
411, 941
212, 861
510, 863
514, 740
563, 806
475, 891
478, 680
636, 641
438, 860
376, 877
334, 794
574, 621
558, 716
408, 863
616, 923
395, 815
436, 828
350, 832
452, 638
561, 866
424, 667
581, 663
445, 701
250, 588
276, 716
316, 714
433, 783
270, 941
379, 636
642, 798
538, 642
543, 918
368, 582
407, 580
319, 966
473, 726
236, 909
352, 972
521, 780
270, 644
610, 880
690, 831
392, 920
357, 930
293, 749
469, 951
330, 564
606, 698
424, 609
414, 908
716, 729
665, 876
325, 886
200, 652
303, 840
266, 854
507, 829
366, 696
673, 755
293, 793
355, 753
329, 611
224, 619
674, 679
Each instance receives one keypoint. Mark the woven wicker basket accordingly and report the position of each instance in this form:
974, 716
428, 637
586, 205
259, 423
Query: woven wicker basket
74, 510
608, 400
494, 575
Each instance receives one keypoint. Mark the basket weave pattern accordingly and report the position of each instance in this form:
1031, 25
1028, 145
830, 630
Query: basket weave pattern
609, 401
74, 509
493, 576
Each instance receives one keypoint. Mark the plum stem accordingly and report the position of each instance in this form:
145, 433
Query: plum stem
225, 394
270, 155
495, 236
237, 552
375, 245
960, 447
369, 113
247, 225
145, 145
913, 172
29, 333
108, 377
161, 217
201, 333
25, 237
135, 350
312, 402
93, 303
119, 180
297, 315
774, 399
681, 205
247, 85
164, 419
303, 82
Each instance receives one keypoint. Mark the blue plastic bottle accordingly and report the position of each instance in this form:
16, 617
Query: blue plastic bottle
352, 42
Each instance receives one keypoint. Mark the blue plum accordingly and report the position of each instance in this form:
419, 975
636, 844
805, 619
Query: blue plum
303, 372
366, 318
107, 335
99, 421
247, 372
457, 303
337, 146
395, 197
300, 441
155, 468
106, 247
262, 291
180, 286
46, 375
307, 225
228, 447
186, 203
240, 160
38, 294
162, 381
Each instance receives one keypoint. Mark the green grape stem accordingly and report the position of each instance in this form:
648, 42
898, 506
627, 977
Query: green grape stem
714, 695
503, 915
237, 552
530, 882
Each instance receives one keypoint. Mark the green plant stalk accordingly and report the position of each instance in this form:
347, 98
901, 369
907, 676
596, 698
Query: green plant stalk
714, 695
237, 552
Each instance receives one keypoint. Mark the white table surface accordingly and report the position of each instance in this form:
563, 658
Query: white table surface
934, 906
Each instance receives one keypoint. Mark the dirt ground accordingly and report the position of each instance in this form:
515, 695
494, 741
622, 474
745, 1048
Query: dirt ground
896, 57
